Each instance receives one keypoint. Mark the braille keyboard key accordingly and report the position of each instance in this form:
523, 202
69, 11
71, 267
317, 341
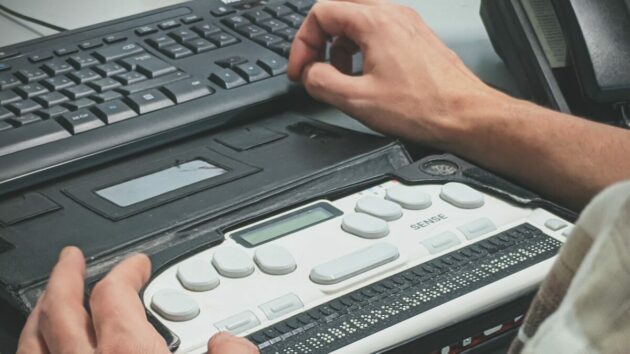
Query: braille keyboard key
257, 15
109, 69
106, 96
176, 51
81, 61
222, 39
199, 45
8, 81
145, 30
105, 84
57, 83
91, 44
182, 35
227, 79
231, 62
267, 39
7, 97
4, 125
63, 51
235, 21
23, 107
51, 99
154, 83
278, 10
79, 91
28, 118
130, 77
31, 135
117, 51
251, 72
79, 104
4, 113
190, 19
56, 67
282, 48
251, 31
160, 41
80, 121
83, 76
186, 90
39, 57
148, 65
30, 75
114, 38
52, 112
273, 25
148, 101
113, 111
169, 24
206, 29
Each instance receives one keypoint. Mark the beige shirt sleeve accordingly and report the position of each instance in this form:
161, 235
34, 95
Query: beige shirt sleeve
583, 306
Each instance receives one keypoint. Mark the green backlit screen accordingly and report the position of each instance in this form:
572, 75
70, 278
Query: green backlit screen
285, 225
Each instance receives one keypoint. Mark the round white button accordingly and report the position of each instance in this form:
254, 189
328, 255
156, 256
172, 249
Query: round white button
174, 305
462, 196
275, 260
232, 262
198, 275
364, 225
412, 198
381, 208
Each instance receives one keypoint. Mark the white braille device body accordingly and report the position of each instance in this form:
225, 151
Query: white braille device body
293, 261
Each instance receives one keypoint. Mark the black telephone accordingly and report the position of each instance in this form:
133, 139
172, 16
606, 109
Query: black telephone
594, 80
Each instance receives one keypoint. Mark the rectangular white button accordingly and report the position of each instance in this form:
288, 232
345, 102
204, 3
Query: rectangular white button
282, 305
441, 242
238, 323
477, 228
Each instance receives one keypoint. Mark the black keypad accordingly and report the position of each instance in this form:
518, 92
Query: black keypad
129, 78
53, 112
114, 38
257, 15
30, 75
80, 121
81, 61
31, 90
186, 90
199, 45
83, 76
28, 118
251, 72
8, 81
191, 19
227, 79
57, 83
51, 99
206, 29
222, 39
79, 91
145, 30
236, 21
268, 39
273, 25
56, 67
278, 10
148, 101
39, 57
79, 104
182, 35
176, 51
222, 11
91, 44
63, 51
23, 107
5, 113
160, 41
251, 31
168, 24
114, 111
105, 84
8, 97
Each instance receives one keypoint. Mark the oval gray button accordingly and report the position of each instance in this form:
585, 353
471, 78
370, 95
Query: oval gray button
381, 208
353, 264
232, 262
197, 275
275, 260
462, 196
174, 305
364, 225
412, 198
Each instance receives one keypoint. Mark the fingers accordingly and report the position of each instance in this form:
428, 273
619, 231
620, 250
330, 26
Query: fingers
31, 340
327, 84
224, 342
327, 19
341, 53
118, 315
63, 321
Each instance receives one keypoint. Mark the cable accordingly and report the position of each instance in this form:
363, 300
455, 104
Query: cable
31, 19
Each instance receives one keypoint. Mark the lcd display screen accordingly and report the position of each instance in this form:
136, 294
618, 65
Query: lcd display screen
155, 184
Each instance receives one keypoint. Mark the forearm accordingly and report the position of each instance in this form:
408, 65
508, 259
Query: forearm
562, 157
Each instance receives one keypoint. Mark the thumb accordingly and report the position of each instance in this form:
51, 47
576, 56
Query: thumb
225, 343
325, 83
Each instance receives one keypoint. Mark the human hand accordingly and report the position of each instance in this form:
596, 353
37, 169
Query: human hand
412, 85
117, 323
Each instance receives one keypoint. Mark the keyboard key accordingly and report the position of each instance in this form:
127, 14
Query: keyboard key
251, 31
4, 113
117, 51
293, 20
22, 107
25, 119
4, 67
206, 29
273, 25
8, 81
169, 24
4, 125
81, 61
160, 41
154, 83
78, 91
182, 35
222, 11
190, 19
114, 111
63, 51
39, 57
30, 75
365, 226
186, 90
268, 39
106, 96
222, 39
148, 101
282, 48
236, 21
278, 10
287, 33
441, 242
273, 66
80, 121
79, 104
145, 30
257, 15
8, 53
109, 69
462, 196
231, 62
251, 72
227, 79
31, 135
130, 77
8, 97
409, 197
103, 85
174, 305
198, 275
57, 83
300, 5
199, 45
52, 112
56, 67
91, 44
51, 99
83, 76
176, 51
148, 65
114, 38
379, 207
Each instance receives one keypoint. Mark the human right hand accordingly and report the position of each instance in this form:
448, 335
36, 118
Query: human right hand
412, 85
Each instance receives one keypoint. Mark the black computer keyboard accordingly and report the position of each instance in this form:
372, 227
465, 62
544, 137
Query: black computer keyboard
84, 96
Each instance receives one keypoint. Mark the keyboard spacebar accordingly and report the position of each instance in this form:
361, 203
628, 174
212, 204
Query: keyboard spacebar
32, 135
